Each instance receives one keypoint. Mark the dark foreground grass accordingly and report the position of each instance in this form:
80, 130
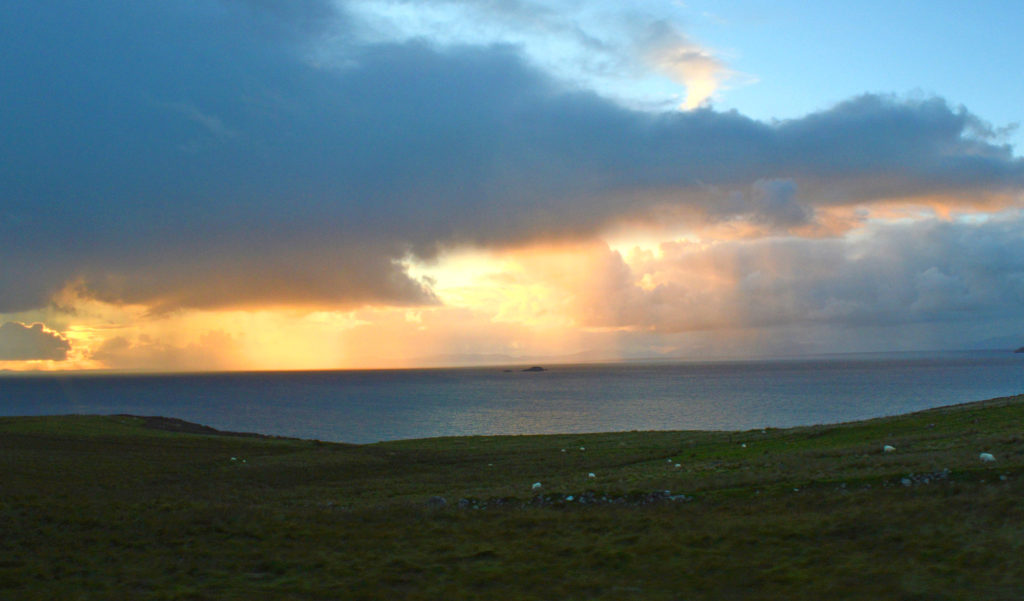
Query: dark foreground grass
111, 508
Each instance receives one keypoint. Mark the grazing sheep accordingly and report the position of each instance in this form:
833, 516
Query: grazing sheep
679, 465
536, 485
986, 457
591, 475
888, 449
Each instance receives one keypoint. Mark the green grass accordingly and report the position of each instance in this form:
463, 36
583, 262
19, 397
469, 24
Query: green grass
95, 507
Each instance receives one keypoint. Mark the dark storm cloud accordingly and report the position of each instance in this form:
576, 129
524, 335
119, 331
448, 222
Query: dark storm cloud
243, 153
20, 342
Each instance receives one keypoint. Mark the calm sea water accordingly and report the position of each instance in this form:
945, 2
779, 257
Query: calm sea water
368, 406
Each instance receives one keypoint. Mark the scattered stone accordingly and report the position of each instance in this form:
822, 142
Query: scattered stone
585, 498
926, 478
437, 502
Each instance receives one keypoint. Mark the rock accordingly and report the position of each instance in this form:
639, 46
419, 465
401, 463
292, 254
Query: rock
535, 368
437, 502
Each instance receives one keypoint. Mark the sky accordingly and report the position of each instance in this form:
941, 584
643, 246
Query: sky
332, 184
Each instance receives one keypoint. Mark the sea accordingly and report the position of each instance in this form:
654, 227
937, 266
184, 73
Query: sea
378, 405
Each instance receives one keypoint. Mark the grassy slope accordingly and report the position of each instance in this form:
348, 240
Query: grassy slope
105, 508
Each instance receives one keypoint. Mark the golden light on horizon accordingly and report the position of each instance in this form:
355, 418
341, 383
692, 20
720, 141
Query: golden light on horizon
545, 299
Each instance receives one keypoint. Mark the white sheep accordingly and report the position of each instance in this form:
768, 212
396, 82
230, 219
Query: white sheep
888, 449
986, 457
591, 475
536, 485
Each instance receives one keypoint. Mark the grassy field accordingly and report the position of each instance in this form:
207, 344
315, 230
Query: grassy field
118, 507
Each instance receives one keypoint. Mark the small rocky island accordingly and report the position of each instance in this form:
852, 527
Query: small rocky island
535, 368
1020, 350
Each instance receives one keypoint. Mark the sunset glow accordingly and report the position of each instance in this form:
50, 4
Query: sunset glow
377, 185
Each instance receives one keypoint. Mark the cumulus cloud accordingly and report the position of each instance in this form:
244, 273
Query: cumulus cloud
928, 272
21, 342
195, 164
687, 63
